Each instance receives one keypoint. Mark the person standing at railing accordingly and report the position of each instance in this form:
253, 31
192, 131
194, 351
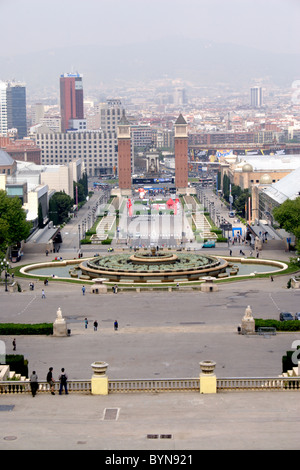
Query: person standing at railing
63, 382
34, 383
50, 380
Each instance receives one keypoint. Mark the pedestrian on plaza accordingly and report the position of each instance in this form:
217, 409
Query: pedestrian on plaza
86, 322
116, 325
14, 344
34, 385
230, 252
50, 380
43, 294
63, 382
83, 290
95, 325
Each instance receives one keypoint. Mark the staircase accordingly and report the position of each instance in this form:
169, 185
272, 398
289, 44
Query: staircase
7, 374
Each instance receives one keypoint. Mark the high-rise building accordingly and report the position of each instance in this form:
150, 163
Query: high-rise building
71, 100
16, 108
13, 108
256, 98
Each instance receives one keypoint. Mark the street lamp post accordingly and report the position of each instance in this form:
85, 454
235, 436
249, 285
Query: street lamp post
79, 237
4, 264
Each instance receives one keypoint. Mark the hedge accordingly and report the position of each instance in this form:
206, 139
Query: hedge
290, 325
26, 329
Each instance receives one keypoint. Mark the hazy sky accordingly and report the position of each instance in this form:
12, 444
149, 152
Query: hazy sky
35, 25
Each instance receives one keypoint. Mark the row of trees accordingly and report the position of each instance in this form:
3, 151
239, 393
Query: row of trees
287, 214
61, 203
239, 196
288, 217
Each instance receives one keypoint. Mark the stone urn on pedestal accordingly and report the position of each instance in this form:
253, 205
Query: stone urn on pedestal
99, 379
208, 379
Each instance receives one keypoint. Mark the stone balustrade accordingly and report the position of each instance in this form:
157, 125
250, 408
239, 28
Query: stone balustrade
233, 384
206, 383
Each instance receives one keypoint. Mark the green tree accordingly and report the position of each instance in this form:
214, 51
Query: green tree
240, 201
80, 191
40, 216
288, 217
13, 224
59, 207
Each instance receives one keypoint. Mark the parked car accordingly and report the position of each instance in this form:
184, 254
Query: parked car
297, 316
285, 316
208, 245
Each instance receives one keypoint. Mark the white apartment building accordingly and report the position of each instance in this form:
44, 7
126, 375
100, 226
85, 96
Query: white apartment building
3, 109
98, 150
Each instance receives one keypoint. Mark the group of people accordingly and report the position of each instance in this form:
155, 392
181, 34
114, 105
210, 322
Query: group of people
95, 324
63, 382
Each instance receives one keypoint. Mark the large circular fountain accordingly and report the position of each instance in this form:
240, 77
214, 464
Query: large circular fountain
153, 266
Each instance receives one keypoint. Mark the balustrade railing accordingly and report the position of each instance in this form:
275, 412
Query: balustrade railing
235, 384
258, 383
14, 386
153, 385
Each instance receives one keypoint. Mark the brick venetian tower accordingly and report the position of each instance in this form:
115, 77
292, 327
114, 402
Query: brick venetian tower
124, 155
181, 155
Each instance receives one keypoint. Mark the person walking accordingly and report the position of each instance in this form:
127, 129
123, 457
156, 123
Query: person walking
14, 344
43, 294
86, 322
116, 325
34, 385
95, 325
83, 290
63, 382
50, 380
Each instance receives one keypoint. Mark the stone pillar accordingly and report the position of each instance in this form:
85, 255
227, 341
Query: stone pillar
248, 322
98, 287
60, 325
208, 379
99, 379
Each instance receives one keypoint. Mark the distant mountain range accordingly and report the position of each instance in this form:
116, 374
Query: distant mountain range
197, 61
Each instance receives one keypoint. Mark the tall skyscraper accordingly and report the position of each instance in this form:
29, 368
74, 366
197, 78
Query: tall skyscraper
256, 98
16, 108
181, 154
71, 99
13, 108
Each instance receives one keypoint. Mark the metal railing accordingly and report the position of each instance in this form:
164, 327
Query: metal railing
235, 384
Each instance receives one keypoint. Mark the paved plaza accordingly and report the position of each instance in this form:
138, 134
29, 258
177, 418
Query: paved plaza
161, 335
